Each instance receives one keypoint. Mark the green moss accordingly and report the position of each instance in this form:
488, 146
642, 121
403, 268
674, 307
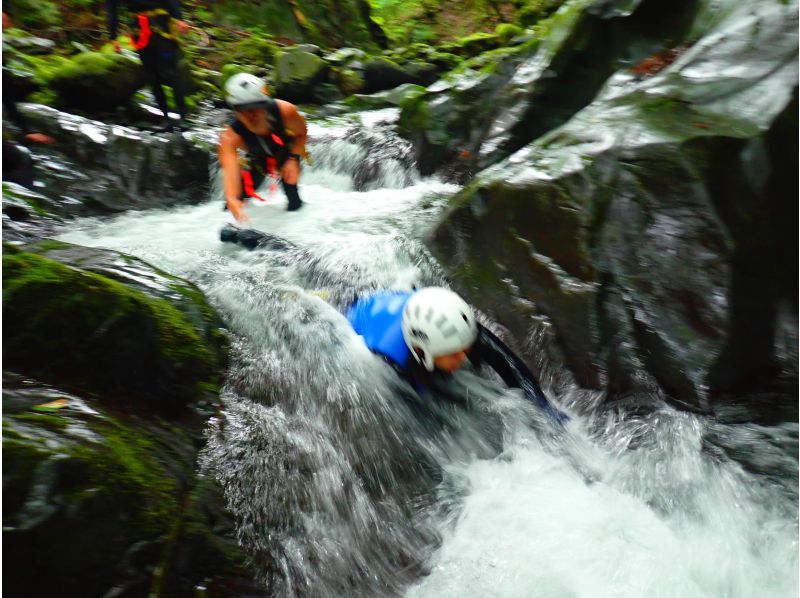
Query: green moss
537, 10
257, 49
478, 42
507, 31
415, 113
47, 420
350, 82
91, 323
126, 463
10, 196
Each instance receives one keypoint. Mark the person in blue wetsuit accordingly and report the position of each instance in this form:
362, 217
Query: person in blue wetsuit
430, 333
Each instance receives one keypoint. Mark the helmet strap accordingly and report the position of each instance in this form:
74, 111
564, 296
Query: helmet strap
423, 357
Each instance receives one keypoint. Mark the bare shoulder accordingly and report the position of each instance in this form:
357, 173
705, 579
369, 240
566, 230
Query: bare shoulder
230, 138
287, 109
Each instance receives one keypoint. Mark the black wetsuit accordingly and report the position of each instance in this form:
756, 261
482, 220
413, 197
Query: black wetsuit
17, 163
277, 145
161, 56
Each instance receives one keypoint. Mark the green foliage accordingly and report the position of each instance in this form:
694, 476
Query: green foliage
257, 49
36, 14
422, 33
274, 15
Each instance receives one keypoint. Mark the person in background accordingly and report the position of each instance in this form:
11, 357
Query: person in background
156, 24
273, 135
17, 163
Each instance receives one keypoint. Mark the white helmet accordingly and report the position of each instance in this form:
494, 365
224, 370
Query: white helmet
244, 91
437, 322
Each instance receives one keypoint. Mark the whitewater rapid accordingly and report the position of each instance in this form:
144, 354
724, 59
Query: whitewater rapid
340, 490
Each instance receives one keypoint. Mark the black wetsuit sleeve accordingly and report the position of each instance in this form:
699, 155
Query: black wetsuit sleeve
491, 351
112, 16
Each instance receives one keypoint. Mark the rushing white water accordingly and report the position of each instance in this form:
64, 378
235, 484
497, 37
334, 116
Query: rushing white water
342, 488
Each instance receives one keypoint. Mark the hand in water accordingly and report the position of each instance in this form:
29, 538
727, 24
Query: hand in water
237, 209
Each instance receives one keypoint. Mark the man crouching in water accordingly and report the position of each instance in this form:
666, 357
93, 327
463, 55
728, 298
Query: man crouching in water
273, 135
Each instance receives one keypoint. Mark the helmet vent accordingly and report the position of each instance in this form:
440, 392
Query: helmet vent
417, 333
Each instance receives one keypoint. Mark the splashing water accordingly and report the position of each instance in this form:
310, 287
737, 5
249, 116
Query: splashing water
344, 484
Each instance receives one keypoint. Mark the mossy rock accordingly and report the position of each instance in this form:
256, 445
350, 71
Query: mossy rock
254, 49
507, 31
382, 73
96, 81
31, 44
476, 43
298, 74
346, 56
87, 331
537, 10
100, 500
297, 65
349, 81
395, 97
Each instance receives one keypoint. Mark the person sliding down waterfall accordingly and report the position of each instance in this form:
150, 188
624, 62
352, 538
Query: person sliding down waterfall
428, 334
273, 134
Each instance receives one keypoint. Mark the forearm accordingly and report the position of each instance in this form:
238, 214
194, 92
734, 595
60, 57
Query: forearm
298, 144
232, 184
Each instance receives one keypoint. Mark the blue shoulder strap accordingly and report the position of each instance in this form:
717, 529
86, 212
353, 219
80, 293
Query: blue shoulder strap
378, 319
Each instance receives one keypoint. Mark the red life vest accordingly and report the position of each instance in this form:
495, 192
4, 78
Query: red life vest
271, 164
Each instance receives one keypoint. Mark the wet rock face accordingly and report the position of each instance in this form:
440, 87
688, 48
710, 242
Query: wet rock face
656, 230
479, 117
99, 482
27, 215
95, 501
101, 168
